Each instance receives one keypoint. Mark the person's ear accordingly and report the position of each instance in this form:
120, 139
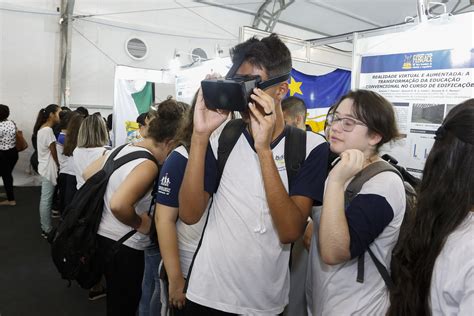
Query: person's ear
282, 90
300, 119
374, 138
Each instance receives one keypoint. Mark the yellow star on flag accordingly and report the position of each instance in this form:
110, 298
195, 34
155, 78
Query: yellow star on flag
294, 87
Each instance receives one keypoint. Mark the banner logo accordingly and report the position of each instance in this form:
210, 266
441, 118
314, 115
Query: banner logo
418, 61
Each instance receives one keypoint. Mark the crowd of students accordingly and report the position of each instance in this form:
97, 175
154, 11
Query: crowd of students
225, 232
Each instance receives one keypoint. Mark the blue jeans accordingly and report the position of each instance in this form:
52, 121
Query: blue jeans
150, 303
46, 200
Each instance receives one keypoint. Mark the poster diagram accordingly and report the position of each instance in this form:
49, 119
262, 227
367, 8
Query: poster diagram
423, 87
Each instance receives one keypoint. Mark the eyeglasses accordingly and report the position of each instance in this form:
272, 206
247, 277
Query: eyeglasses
348, 124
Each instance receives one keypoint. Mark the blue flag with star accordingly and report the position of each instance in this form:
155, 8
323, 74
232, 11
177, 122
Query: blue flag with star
319, 91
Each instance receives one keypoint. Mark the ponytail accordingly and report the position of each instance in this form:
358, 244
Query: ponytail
43, 116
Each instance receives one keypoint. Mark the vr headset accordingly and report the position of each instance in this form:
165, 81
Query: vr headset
233, 92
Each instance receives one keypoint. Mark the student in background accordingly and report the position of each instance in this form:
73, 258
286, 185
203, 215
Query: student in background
433, 270
91, 142
178, 241
64, 117
126, 203
67, 169
110, 129
48, 163
8, 153
294, 111
150, 301
361, 123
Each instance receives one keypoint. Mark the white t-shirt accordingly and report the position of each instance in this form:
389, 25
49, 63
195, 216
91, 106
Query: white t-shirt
171, 177
7, 135
374, 217
241, 266
83, 157
110, 226
46, 165
452, 282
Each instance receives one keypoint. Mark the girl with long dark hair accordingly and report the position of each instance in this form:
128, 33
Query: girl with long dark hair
433, 270
48, 162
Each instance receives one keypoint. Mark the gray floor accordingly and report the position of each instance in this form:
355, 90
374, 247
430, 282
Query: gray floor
29, 282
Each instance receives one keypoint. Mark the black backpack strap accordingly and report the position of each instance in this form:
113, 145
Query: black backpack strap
382, 270
350, 193
295, 151
227, 140
112, 165
365, 175
116, 246
295, 154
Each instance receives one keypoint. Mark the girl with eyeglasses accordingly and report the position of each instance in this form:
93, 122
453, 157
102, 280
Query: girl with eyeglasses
358, 126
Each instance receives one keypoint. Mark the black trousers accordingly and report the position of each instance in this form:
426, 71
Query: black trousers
124, 275
194, 309
8, 159
66, 190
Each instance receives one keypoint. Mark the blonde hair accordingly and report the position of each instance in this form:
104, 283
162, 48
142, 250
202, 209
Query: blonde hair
93, 132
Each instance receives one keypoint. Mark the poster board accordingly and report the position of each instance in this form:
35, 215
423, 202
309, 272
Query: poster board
424, 72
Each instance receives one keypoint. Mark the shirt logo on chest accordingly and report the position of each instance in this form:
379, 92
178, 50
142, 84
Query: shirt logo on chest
280, 162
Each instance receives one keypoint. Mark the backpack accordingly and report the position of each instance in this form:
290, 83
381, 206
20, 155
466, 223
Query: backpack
295, 154
354, 188
74, 244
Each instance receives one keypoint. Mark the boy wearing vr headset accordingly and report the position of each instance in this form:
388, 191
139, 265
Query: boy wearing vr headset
241, 266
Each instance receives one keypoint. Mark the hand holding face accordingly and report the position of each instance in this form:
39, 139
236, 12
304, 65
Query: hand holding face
262, 118
352, 161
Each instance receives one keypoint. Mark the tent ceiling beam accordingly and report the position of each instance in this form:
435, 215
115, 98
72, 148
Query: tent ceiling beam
268, 14
212, 4
65, 22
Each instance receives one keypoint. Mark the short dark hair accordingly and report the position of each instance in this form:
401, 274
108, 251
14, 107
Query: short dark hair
109, 121
293, 106
4, 112
374, 111
82, 110
64, 117
141, 119
269, 53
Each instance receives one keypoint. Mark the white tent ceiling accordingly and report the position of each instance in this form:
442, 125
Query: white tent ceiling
206, 17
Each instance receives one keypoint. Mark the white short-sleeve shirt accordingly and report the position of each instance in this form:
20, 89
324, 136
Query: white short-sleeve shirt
46, 165
334, 289
452, 283
110, 226
83, 157
241, 266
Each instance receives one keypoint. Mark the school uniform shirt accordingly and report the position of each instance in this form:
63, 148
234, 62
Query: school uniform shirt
374, 217
110, 227
169, 183
83, 157
46, 165
7, 135
241, 266
452, 282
